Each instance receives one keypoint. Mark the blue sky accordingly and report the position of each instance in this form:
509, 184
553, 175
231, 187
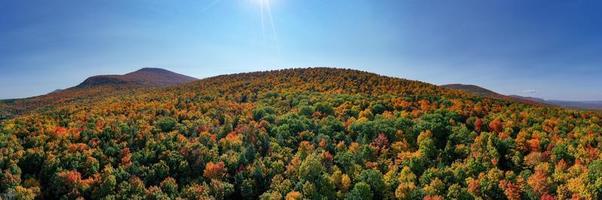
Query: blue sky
543, 48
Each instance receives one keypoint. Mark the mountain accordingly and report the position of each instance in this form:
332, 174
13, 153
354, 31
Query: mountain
480, 91
97, 87
528, 98
473, 89
594, 105
313, 133
588, 105
151, 77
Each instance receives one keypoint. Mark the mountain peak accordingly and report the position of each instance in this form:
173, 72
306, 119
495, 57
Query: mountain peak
151, 69
474, 89
144, 77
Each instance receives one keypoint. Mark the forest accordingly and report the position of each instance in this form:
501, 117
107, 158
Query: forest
312, 133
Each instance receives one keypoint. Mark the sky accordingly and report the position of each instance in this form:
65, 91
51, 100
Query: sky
542, 48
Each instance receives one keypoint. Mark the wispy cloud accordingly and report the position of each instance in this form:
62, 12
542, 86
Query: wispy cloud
529, 91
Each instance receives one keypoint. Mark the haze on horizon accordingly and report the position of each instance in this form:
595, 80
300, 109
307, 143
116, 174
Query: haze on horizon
541, 48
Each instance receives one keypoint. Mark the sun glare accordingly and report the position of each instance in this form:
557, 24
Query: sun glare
267, 21
262, 2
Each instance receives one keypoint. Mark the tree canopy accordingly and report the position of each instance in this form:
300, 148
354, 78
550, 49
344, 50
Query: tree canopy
314, 133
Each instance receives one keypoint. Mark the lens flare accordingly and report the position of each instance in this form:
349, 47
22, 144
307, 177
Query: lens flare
265, 8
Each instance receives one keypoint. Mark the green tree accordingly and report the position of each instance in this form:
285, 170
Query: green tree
166, 124
311, 168
360, 191
374, 178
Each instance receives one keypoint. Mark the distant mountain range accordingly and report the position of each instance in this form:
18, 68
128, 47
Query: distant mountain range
97, 86
480, 91
150, 78
596, 105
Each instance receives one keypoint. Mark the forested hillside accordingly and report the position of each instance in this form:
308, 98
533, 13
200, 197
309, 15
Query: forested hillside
316, 133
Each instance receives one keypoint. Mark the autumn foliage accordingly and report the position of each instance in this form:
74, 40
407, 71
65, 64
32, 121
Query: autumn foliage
314, 133
214, 170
